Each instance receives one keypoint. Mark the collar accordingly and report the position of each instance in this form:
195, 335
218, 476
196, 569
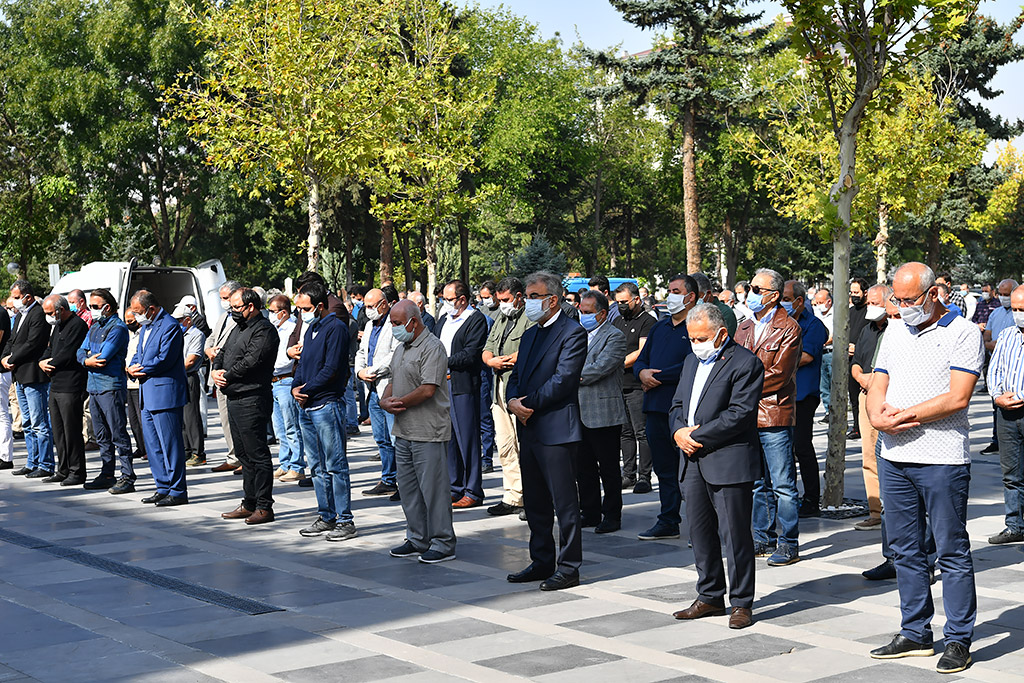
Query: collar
768, 317
945, 320
718, 352
551, 321
462, 316
319, 321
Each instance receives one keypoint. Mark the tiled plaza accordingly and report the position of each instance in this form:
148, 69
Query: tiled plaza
70, 610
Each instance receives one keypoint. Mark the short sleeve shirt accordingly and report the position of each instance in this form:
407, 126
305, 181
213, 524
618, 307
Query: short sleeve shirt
635, 329
193, 346
919, 365
422, 361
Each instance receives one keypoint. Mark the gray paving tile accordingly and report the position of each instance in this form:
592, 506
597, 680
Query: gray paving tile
889, 671
620, 623
416, 576
673, 593
747, 648
548, 660
443, 632
525, 599
799, 612
239, 636
362, 670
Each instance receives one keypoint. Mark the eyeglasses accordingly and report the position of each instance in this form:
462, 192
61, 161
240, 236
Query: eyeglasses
239, 309
759, 290
899, 303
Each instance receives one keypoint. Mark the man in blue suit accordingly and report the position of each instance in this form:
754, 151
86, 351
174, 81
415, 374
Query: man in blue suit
542, 394
159, 367
714, 422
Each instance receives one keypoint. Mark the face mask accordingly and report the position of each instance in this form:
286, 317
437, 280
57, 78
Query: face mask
73, 308
508, 309
237, 317
535, 309
787, 306
51, 320
915, 316
19, 305
755, 302
308, 316
97, 313
183, 326
489, 303
856, 300
225, 304
589, 321
1004, 300
819, 309
142, 319
402, 334
874, 313
704, 350
132, 326
372, 314
675, 303
1018, 318
985, 296
625, 311
447, 308
741, 297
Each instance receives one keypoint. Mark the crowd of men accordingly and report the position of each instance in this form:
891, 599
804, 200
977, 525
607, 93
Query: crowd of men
582, 395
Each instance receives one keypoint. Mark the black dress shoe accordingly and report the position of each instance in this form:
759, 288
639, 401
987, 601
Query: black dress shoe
72, 481
54, 479
6, 465
560, 581
853, 434
306, 483
531, 573
155, 498
100, 484
883, 572
23, 471
607, 526
39, 474
990, 449
169, 501
586, 522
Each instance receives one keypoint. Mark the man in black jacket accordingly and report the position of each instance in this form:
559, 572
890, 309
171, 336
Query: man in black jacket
29, 340
67, 390
243, 371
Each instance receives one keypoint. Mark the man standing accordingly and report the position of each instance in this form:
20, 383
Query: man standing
924, 377
463, 333
79, 306
292, 464
500, 353
213, 345
823, 310
373, 367
858, 308
67, 390
600, 283
635, 324
193, 341
774, 338
29, 340
706, 294
862, 368
714, 423
188, 302
543, 395
103, 353
488, 300
1001, 318
6, 434
808, 380
954, 296
160, 370
421, 303
1006, 387
417, 396
134, 388
657, 368
602, 414
987, 303
243, 371
319, 388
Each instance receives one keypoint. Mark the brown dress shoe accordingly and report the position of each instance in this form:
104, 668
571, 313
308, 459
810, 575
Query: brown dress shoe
741, 617
699, 609
224, 467
238, 513
466, 502
260, 517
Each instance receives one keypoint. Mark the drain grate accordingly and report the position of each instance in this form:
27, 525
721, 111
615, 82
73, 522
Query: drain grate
147, 576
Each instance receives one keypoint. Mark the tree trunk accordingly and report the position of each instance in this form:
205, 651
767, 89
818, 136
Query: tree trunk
613, 252
690, 215
403, 243
387, 250
464, 252
731, 253
430, 257
882, 244
316, 226
934, 246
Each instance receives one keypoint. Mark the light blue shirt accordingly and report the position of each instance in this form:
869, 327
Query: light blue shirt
704, 369
999, 320
1006, 369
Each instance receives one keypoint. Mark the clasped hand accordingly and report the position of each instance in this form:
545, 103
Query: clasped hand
895, 421
684, 439
516, 407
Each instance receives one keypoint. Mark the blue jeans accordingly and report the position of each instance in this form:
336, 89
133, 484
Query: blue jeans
351, 407
286, 427
383, 423
486, 419
911, 491
33, 400
323, 438
665, 459
110, 422
825, 383
1010, 428
775, 496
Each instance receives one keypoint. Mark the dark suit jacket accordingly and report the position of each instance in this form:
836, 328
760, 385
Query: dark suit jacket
161, 354
727, 415
547, 374
465, 362
29, 340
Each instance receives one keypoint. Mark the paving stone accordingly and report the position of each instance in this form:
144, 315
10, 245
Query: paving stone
750, 648
376, 668
547, 661
444, 632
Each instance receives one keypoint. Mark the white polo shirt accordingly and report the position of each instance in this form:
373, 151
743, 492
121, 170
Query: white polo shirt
919, 364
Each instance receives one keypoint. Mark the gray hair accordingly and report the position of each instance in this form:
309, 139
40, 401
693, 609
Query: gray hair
231, 285
703, 282
600, 300
552, 283
778, 283
926, 280
408, 308
59, 302
708, 313
886, 291
799, 290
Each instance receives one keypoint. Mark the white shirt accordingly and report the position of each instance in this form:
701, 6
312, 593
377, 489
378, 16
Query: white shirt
704, 368
283, 364
827, 320
590, 335
551, 321
452, 325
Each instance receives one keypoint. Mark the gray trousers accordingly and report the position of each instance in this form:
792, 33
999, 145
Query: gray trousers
222, 408
426, 496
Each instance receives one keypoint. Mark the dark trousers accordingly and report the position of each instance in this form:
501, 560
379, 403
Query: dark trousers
665, 458
803, 447
597, 465
909, 492
486, 419
634, 438
135, 420
1011, 461
717, 515
549, 489
246, 418
165, 448
66, 411
464, 459
110, 423
853, 387
193, 418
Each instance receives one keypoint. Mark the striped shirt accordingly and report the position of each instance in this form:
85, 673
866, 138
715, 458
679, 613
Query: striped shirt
1006, 369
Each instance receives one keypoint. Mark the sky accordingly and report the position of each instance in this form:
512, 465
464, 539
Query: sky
600, 26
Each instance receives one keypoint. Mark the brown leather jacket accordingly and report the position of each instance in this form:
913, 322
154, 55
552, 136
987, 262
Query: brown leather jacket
779, 351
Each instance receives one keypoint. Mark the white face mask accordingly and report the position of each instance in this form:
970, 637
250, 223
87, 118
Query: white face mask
1018, 318
706, 349
19, 304
372, 313
507, 308
447, 308
225, 304
741, 297
820, 309
142, 319
675, 303
489, 303
1004, 300
51, 320
915, 316
985, 296
874, 313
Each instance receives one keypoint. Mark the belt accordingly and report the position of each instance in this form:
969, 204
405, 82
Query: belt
278, 378
828, 349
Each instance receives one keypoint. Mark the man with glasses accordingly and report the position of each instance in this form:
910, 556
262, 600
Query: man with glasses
923, 379
212, 347
775, 339
636, 324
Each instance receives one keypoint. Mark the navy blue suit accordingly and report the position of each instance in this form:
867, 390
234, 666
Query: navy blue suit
164, 392
547, 378
718, 480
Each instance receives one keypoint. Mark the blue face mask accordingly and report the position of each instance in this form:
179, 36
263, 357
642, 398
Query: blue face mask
400, 333
589, 321
755, 302
535, 309
73, 307
308, 316
788, 305
184, 328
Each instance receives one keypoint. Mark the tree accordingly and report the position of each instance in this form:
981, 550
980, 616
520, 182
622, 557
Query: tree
539, 254
851, 45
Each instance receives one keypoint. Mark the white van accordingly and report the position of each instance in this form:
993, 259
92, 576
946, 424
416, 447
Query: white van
169, 284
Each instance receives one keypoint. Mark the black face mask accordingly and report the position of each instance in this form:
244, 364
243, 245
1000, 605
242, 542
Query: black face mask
132, 326
856, 300
624, 310
238, 317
